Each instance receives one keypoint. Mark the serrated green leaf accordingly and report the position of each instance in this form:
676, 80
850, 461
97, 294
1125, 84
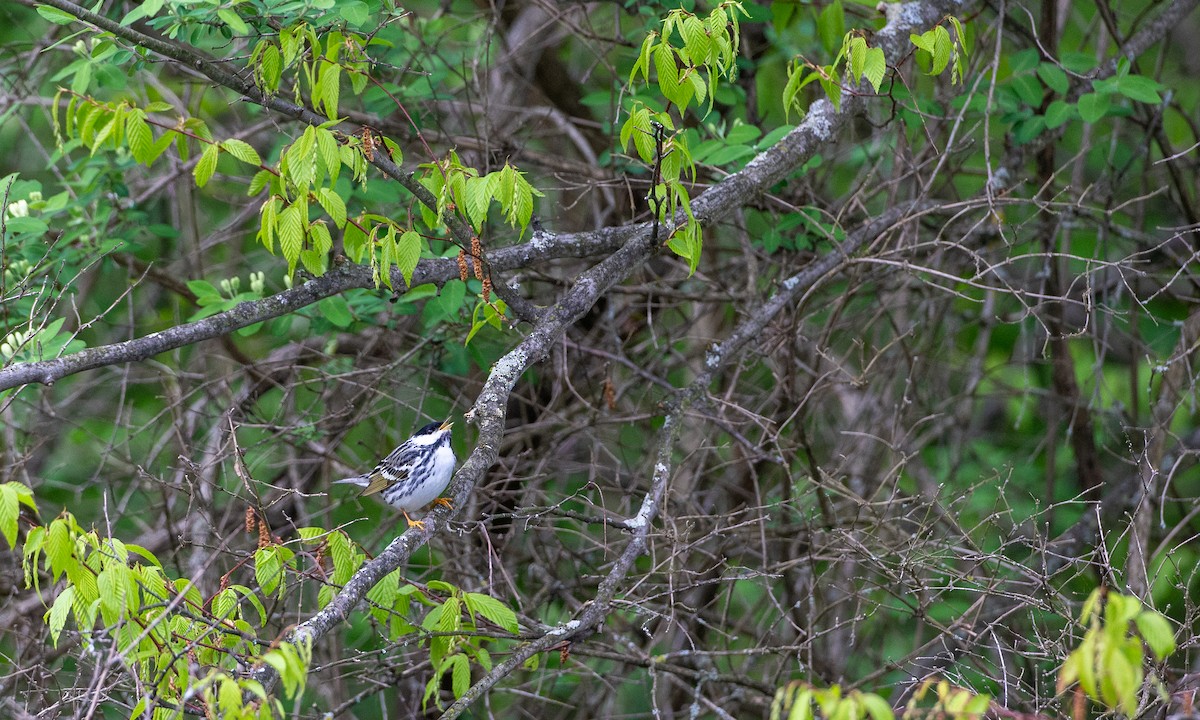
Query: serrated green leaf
56, 616
314, 257
668, 74
333, 205
328, 89
259, 181
270, 68
269, 222
229, 697
494, 610
224, 603
331, 156
59, 548
643, 61
875, 67
268, 569
140, 137
242, 151
476, 199
942, 48
206, 165
407, 254
460, 678
10, 510
291, 235
857, 57
695, 39
111, 586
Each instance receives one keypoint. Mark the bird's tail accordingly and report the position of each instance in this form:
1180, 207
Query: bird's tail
359, 480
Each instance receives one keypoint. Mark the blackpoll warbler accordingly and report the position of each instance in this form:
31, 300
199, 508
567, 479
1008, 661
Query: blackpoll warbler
415, 473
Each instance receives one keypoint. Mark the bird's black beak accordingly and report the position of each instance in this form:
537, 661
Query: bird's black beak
446, 425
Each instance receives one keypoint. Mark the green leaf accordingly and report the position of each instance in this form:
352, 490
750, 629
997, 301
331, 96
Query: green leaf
451, 297
234, 21
10, 509
460, 675
1140, 88
831, 26
242, 151
877, 708
494, 610
943, 47
875, 67
333, 205
206, 165
140, 138
355, 13
336, 310
1059, 113
291, 235
205, 293
643, 61
314, 257
1156, 631
354, 242
54, 15
60, 549
1054, 77
1093, 106
331, 156
668, 75
408, 252
268, 570
260, 180
857, 57
56, 616
478, 197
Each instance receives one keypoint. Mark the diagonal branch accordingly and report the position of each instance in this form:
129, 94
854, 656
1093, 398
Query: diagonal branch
719, 359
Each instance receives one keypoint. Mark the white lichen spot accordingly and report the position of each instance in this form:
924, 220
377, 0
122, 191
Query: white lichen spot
565, 629
642, 519
712, 358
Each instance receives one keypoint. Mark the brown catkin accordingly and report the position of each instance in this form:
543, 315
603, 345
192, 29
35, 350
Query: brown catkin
477, 257
462, 265
368, 144
264, 534
250, 519
487, 289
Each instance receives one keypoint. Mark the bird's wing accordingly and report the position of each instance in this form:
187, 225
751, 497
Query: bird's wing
378, 481
394, 468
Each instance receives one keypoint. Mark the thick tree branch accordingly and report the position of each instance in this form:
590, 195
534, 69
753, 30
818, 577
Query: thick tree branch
348, 277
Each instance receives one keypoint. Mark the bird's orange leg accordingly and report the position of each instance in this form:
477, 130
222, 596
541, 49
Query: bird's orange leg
414, 523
